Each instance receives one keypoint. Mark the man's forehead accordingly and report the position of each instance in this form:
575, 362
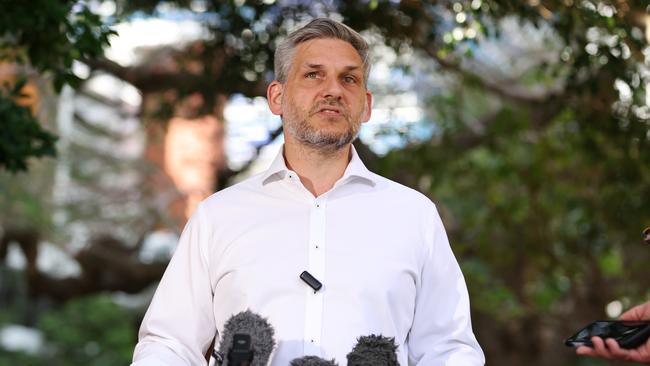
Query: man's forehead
324, 51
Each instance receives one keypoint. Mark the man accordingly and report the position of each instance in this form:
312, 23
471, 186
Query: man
609, 348
379, 248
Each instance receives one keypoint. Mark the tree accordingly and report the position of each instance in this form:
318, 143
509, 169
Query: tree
62, 32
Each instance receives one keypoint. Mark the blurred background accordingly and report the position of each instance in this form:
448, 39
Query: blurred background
526, 121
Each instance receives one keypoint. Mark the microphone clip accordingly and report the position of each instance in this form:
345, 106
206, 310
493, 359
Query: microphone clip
311, 281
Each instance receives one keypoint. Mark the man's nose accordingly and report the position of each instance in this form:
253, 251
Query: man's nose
332, 88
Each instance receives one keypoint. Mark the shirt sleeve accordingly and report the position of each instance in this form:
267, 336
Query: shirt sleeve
441, 333
179, 324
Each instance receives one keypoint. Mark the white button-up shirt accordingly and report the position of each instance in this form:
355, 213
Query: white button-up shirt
379, 249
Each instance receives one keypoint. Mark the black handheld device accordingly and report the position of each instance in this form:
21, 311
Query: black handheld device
628, 334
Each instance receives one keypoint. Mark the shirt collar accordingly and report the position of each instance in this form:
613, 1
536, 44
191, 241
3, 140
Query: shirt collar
355, 170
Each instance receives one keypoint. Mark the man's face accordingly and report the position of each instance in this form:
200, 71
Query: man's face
324, 100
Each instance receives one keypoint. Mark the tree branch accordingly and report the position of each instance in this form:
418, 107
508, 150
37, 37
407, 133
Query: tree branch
107, 265
512, 94
151, 79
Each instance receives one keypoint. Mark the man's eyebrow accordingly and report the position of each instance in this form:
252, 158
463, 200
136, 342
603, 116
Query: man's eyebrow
319, 66
314, 66
352, 68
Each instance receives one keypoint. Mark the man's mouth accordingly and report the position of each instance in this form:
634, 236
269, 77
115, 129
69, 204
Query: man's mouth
330, 111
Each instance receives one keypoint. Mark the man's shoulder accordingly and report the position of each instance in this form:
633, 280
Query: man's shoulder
396, 190
235, 193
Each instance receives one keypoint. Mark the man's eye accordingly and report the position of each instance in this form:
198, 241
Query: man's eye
311, 75
349, 79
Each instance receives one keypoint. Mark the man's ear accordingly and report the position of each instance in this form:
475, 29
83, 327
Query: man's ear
274, 97
367, 110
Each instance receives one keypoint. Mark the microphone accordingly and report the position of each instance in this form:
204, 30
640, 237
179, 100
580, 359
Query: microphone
312, 361
247, 340
373, 350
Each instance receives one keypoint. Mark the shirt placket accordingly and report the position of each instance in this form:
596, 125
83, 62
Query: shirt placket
316, 266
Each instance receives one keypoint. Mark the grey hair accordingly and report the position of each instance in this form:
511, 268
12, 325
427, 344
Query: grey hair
318, 28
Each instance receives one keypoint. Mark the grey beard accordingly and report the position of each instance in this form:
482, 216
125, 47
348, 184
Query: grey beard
319, 140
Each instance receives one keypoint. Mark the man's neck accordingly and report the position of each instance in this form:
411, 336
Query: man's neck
318, 171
